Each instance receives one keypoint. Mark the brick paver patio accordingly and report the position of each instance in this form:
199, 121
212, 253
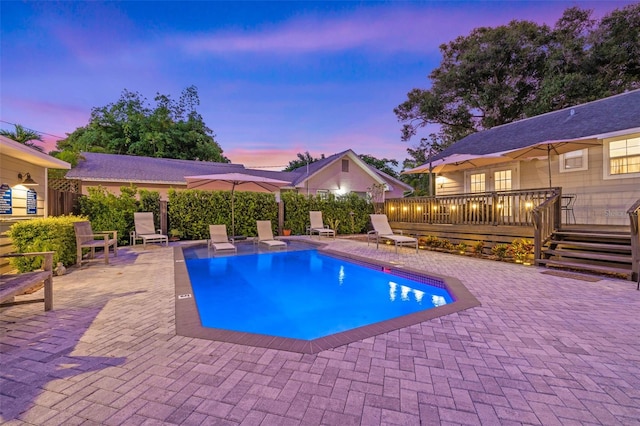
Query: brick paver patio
541, 350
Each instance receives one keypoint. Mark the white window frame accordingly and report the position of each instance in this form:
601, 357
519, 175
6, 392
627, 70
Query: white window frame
484, 181
585, 162
606, 169
489, 184
494, 172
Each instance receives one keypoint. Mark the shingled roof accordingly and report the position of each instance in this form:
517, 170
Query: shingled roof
597, 118
129, 168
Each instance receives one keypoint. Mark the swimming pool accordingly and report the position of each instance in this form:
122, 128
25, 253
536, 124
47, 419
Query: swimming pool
189, 323
302, 294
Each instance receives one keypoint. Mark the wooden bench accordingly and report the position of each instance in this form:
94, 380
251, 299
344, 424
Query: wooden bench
86, 238
12, 285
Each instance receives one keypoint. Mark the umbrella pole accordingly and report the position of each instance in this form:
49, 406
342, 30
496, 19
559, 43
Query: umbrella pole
233, 219
549, 164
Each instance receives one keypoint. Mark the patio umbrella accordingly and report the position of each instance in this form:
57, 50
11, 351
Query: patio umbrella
456, 162
551, 147
234, 182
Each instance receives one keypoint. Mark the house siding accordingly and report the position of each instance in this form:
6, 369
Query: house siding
599, 201
332, 178
9, 175
10, 167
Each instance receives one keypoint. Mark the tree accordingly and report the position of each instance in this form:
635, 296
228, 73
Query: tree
485, 79
302, 160
569, 78
419, 155
24, 136
131, 126
384, 164
616, 50
498, 75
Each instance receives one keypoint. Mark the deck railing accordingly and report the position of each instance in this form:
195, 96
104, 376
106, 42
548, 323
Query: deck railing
546, 220
487, 208
633, 213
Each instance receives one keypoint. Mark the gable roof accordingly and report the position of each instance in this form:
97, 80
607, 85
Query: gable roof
317, 166
601, 118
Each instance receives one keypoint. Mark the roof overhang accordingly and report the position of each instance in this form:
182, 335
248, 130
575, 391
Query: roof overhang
22, 152
120, 180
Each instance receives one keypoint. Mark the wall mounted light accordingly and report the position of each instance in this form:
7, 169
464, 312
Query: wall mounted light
27, 180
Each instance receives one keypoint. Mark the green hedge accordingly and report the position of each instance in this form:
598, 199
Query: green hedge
44, 234
350, 212
192, 211
109, 212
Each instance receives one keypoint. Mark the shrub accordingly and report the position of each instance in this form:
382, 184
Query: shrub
461, 248
150, 202
500, 251
478, 248
108, 212
44, 234
447, 245
431, 241
348, 213
520, 249
192, 211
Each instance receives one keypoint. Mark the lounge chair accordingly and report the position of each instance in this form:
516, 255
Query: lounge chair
382, 230
86, 238
318, 227
145, 229
219, 241
265, 235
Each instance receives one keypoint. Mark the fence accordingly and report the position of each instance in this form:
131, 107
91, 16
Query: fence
61, 203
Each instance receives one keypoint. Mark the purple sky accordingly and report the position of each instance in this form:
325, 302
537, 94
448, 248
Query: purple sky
274, 78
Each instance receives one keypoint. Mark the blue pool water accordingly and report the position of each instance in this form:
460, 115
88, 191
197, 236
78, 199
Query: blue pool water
301, 294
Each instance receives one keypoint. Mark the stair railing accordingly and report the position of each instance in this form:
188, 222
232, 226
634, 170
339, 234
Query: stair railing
633, 212
546, 220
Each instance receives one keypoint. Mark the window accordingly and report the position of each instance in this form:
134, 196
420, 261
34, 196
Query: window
624, 156
345, 166
574, 161
323, 194
502, 180
477, 182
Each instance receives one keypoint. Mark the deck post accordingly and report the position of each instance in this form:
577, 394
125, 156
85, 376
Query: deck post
635, 241
537, 234
557, 211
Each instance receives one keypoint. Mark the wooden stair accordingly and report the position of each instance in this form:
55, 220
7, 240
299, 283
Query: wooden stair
597, 251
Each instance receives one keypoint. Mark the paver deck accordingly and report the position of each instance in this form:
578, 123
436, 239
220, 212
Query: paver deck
542, 350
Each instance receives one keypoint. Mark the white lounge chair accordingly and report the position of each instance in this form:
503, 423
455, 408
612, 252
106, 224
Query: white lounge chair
318, 227
382, 230
265, 235
145, 229
219, 241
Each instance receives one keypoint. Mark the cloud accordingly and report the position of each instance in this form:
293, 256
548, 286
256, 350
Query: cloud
392, 31
404, 28
264, 159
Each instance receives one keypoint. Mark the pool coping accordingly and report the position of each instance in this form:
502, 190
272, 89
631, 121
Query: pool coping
187, 319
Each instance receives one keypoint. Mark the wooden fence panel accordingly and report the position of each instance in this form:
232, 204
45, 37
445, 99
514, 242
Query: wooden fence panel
61, 203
